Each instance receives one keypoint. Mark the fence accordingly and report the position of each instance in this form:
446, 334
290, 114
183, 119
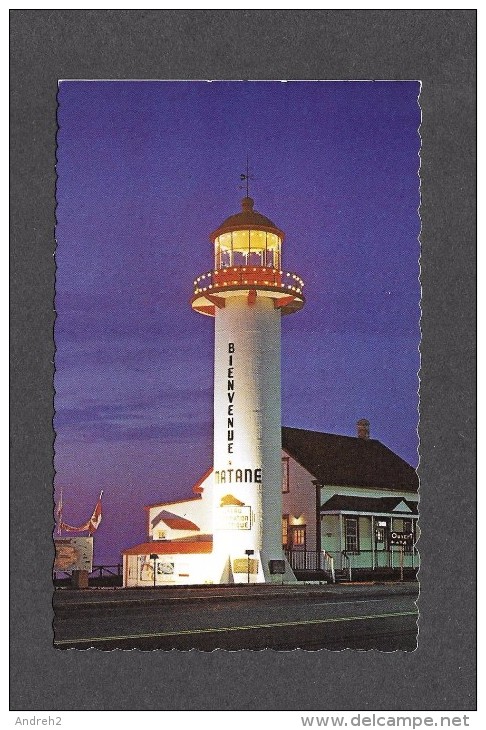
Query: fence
312, 560
101, 575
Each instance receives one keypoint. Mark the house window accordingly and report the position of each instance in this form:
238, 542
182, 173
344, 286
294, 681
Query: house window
352, 535
285, 475
297, 537
285, 530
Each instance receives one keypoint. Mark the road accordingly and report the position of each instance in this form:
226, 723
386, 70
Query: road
363, 618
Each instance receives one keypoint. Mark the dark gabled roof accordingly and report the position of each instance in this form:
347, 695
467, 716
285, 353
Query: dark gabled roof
376, 505
175, 522
348, 461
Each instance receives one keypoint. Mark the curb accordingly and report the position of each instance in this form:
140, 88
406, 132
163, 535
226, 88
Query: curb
330, 591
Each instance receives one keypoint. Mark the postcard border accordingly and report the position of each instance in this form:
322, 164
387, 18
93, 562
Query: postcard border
434, 46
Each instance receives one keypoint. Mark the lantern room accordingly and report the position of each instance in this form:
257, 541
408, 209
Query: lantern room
247, 239
247, 257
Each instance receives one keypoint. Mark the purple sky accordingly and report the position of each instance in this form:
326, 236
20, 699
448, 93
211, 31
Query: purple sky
146, 171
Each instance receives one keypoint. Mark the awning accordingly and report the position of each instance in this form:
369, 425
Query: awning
170, 547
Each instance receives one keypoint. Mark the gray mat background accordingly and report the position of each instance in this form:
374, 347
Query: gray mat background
436, 46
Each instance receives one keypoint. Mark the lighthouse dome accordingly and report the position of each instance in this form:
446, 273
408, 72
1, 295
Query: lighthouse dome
247, 219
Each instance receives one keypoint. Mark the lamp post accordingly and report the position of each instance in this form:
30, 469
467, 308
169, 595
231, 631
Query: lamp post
154, 556
248, 553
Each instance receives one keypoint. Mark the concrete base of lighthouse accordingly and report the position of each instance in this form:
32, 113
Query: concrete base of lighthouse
240, 568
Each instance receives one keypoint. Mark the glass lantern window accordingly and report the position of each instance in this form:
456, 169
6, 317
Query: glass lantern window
247, 248
240, 258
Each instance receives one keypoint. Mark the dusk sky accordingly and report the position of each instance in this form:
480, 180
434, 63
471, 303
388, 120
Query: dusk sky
146, 170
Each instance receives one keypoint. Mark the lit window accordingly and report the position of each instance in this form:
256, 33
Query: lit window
247, 248
297, 537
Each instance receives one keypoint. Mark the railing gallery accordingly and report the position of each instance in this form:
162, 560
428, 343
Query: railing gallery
248, 276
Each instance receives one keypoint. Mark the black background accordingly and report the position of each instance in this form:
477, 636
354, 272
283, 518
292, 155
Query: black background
435, 46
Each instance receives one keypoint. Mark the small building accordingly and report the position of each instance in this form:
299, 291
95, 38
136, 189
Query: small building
347, 496
179, 534
343, 498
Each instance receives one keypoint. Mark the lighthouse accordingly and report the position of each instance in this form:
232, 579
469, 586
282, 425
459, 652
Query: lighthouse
247, 293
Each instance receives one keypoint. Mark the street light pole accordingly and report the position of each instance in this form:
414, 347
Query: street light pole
154, 556
248, 553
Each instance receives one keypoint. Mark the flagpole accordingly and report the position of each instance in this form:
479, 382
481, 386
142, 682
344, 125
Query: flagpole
59, 515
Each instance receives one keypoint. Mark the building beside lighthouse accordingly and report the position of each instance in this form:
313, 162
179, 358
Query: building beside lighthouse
244, 520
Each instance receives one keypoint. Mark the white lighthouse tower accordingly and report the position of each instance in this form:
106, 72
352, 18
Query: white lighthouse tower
247, 293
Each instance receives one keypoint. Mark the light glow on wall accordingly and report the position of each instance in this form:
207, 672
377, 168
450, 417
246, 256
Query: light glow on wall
297, 520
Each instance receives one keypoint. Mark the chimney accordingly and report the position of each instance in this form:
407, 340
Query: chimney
363, 427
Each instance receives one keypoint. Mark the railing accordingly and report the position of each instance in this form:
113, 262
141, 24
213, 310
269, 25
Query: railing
98, 573
346, 564
377, 559
329, 565
248, 275
370, 560
103, 571
311, 560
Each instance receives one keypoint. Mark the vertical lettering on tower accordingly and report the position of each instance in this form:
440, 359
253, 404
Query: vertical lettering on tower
231, 397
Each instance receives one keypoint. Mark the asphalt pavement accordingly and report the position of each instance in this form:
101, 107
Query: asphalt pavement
358, 616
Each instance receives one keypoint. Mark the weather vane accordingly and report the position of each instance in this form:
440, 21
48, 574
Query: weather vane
246, 177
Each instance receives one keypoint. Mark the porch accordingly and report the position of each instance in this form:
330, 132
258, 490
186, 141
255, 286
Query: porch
367, 565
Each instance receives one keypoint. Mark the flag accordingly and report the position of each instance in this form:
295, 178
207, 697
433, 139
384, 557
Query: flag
90, 526
96, 516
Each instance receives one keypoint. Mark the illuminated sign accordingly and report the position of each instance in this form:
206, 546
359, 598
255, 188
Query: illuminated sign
245, 565
234, 517
401, 538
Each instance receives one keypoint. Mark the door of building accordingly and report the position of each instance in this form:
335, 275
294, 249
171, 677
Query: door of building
382, 536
